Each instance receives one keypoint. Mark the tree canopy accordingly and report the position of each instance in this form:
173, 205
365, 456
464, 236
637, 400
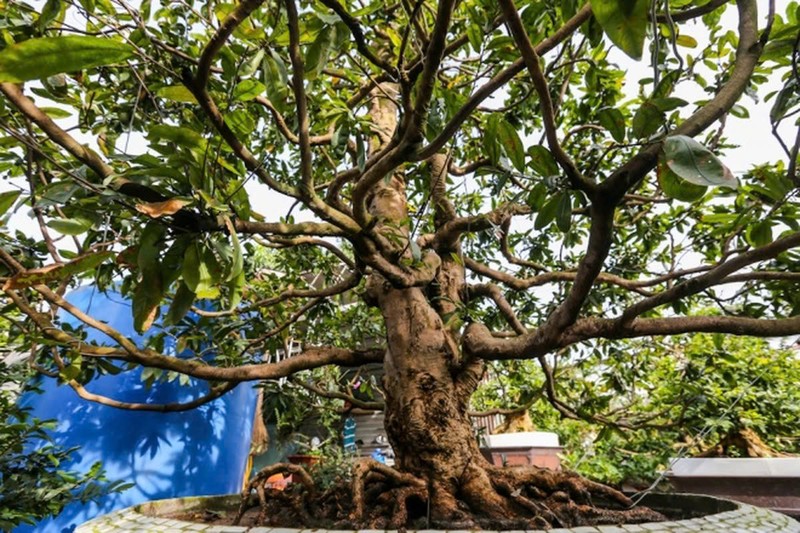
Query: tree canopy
526, 165
360, 181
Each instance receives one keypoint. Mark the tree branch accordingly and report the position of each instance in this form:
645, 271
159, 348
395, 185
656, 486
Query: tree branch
498, 81
298, 73
335, 395
747, 55
283, 128
358, 36
593, 328
710, 278
531, 59
220, 37
493, 291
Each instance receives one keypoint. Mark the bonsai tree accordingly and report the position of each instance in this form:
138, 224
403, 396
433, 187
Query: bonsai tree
467, 181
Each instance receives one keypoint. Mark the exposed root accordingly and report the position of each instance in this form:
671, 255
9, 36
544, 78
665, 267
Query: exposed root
402, 495
550, 481
259, 484
542, 516
484, 496
565, 499
363, 468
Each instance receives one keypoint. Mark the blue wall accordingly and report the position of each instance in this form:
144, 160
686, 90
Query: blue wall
198, 452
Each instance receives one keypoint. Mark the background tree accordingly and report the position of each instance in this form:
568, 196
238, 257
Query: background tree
473, 171
699, 395
33, 481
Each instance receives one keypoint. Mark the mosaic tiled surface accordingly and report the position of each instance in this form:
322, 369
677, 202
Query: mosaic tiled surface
744, 519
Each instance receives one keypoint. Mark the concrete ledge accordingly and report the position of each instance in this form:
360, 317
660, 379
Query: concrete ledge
726, 517
780, 467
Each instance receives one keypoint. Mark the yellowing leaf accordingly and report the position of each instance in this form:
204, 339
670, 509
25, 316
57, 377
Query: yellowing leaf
55, 272
160, 209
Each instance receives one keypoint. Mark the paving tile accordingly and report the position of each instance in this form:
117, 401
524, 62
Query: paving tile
610, 529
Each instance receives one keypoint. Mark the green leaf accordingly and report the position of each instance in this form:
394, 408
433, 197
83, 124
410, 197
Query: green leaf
668, 103
612, 119
40, 58
694, 163
181, 303
88, 5
625, 23
191, 267
787, 98
172, 261
317, 54
252, 64
667, 84
512, 145
73, 370
564, 212
55, 112
647, 120
740, 111
236, 290
276, 78
674, 187
248, 90
181, 136
760, 234
177, 93
241, 122
475, 36
50, 11
150, 244
236, 258
548, 212
73, 226
341, 135
198, 272
147, 299
686, 41
543, 162
7, 199
491, 135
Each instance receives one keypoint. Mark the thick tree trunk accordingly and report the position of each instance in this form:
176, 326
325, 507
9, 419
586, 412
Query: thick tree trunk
427, 390
428, 384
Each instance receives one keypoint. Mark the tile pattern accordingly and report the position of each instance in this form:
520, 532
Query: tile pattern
744, 519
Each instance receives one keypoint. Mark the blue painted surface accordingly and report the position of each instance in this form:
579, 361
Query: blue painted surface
198, 452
